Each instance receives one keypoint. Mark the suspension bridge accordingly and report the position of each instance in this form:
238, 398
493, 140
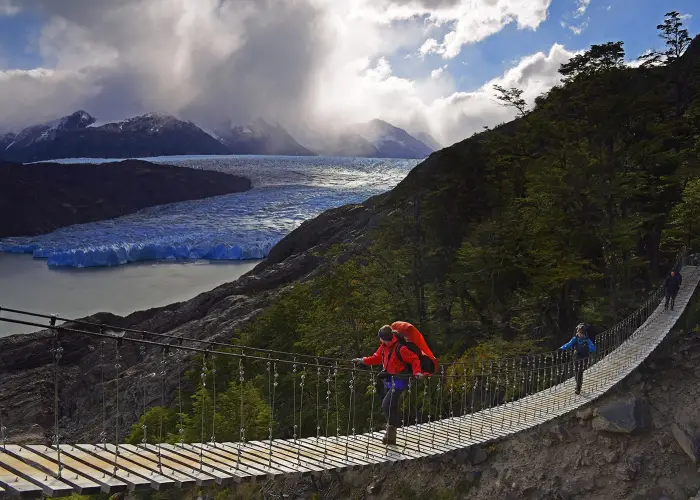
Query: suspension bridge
464, 404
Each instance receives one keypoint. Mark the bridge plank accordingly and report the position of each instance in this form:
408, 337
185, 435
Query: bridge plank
361, 445
191, 454
80, 484
133, 481
261, 458
50, 486
170, 467
221, 477
137, 456
277, 459
319, 447
240, 468
18, 486
108, 484
332, 447
245, 458
290, 456
158, 481
305, 452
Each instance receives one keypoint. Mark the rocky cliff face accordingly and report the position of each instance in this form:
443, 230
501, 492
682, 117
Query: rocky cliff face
45, 196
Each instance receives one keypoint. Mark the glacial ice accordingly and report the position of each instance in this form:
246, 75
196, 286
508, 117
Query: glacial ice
286, 191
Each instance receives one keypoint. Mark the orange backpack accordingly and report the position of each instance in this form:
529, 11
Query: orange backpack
410, 335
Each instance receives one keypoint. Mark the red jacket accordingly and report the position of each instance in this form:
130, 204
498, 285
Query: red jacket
392, 365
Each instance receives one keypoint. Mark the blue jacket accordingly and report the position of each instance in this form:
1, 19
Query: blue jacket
583, 346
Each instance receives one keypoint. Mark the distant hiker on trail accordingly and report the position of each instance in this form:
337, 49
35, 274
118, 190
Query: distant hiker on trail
582, 348
671, 286
399, 354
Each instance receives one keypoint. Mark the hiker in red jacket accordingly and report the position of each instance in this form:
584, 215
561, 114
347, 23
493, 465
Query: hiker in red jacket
395, 359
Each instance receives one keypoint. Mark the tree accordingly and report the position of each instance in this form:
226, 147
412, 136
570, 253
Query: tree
677, 40
158, 422
597, 59
684, 224
511, 98
674, 36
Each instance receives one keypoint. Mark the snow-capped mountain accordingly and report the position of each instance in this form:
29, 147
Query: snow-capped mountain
46, 132
260, 138
347, 144
6, 140
72, 136
153, 134
392, 142
375, 139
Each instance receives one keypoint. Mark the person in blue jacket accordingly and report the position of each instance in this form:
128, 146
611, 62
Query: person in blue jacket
582, 346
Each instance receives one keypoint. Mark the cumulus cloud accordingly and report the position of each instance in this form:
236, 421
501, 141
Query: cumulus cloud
303, 63
437, 73
471, 20
451, 116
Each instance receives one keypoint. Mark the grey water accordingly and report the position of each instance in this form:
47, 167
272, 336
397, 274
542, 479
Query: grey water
27, 283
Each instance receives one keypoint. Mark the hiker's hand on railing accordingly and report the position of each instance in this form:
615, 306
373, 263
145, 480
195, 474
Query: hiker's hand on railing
419, 376
358, 361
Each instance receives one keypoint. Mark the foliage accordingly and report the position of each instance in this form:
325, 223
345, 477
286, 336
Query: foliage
494, 247
159, 422
675, 37
512, 97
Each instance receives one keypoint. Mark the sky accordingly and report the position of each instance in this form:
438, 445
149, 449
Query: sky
311, 65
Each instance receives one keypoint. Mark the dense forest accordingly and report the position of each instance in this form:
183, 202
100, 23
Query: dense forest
497, 245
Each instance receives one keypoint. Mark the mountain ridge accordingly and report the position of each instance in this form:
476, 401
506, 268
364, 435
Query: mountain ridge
78, 135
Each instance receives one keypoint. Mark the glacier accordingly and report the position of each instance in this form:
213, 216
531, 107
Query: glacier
239, 226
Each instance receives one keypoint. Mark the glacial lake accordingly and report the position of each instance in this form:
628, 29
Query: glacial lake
173, 252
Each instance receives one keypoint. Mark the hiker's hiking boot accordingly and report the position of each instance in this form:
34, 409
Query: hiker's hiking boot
390, 436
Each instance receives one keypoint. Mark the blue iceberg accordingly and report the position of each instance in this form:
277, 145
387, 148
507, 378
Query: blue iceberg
286, 191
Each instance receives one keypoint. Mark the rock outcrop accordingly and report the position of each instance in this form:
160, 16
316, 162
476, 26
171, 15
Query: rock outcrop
623, 416
45, 196
686, 430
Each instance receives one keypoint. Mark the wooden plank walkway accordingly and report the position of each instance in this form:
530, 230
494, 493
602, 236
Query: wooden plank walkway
32, 470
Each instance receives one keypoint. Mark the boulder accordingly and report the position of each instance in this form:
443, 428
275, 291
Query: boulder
623, 416
686, 430
561, 432
628, 469
585, 413
472, 476
635, 377
477, 455
374, 488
